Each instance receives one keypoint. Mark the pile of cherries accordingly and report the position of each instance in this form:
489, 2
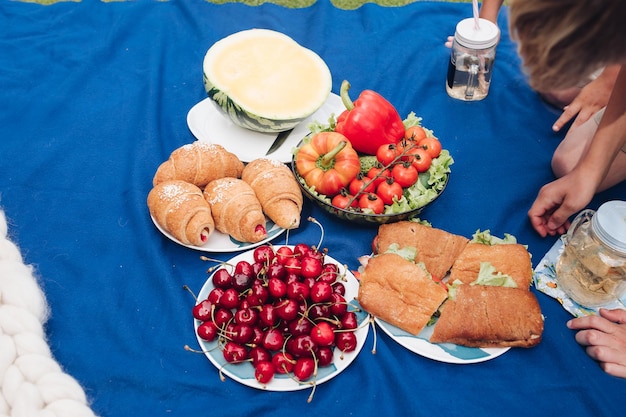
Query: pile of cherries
285, 312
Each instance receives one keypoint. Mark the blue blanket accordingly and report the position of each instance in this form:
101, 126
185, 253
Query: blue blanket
95, 96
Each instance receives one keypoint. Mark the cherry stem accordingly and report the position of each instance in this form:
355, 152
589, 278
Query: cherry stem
313, 220
186, 287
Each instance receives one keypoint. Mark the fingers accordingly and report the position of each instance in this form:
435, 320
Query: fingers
449, 42
568, 113
616, 315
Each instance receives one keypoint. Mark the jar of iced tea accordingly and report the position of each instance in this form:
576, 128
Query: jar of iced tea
471, 59
592, 268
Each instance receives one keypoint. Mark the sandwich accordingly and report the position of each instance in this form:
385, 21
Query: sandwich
490, 316
435, 248
510, 259
399, 292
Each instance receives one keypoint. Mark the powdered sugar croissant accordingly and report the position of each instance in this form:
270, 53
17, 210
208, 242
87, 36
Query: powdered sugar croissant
277, 190
180, 208
236, 209
199, 163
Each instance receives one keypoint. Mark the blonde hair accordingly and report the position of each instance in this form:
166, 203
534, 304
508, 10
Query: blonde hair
562, 42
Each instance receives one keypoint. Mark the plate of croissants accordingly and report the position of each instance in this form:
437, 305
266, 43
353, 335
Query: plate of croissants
205, 198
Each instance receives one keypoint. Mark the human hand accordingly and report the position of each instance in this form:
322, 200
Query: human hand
593, 97
604, 337
558, 200
449, 41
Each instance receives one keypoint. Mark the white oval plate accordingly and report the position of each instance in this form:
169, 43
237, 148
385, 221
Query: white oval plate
208, 124
244, 372
442, 352
219, 242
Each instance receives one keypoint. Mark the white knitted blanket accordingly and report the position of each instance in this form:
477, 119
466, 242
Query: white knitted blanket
32, 382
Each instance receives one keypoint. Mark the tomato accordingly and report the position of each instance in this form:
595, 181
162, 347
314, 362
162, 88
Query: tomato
328, 162
421, 160
388, 191
386, 154
379, 174
431, 145
361, 184
370, 202
342, 200
404, 174
415, 133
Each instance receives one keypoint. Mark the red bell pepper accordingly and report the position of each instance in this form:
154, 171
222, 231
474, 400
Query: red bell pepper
369, 122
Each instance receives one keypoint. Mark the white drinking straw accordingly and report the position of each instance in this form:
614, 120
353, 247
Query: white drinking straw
476, 19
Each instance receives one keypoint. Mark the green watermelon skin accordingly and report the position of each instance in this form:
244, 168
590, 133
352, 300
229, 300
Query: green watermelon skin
244, 118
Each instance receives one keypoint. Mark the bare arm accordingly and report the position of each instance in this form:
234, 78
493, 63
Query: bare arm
558, 200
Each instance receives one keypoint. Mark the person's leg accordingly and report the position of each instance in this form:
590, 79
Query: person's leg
575, 144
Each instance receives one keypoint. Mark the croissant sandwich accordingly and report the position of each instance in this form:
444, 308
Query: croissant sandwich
180, 208
236, 209
277, 190
488, 316
400, 292
199, 163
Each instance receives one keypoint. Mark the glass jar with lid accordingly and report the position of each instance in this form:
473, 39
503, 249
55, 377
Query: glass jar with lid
471, 59
592, 268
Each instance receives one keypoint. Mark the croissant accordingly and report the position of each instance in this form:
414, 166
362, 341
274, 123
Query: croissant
199, 163
236, 209
277, 190
180, 208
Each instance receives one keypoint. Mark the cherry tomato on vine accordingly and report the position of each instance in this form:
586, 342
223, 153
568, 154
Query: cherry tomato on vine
371, 202
357, 185
431, 145
379, 173
342, 200
388, 191
415, 133
404, 174
386, 153
421, 160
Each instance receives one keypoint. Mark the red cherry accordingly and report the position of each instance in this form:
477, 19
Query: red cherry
301, 346
242, 333
222, 279
263, 254
207, 331
324, 356
301, 325
283, 362
259, 354
215, 295
242, 282
329, 273
292, 265
346, 341
283, 253
247, 316
310, 266
339, 307
322, 334
222, 316
287, 309
203, 310
276, 287
349, 321
298, 291
268, 316
304, 368
264, 372
321, 292
276, 270
234, 352
339, 288
244, 267
318, 311
230, 299
301, 249
273, 339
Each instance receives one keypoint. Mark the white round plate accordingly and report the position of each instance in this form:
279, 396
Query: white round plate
208, 124
442, 352
244, 372
219, 242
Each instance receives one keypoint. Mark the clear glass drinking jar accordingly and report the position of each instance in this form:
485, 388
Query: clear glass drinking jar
592, 268
471, 59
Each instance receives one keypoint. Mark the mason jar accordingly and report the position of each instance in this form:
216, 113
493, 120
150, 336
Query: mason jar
471, 59
592, 268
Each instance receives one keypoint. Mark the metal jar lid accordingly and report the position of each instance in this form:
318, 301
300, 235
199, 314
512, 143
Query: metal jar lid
609, 225
483, 37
